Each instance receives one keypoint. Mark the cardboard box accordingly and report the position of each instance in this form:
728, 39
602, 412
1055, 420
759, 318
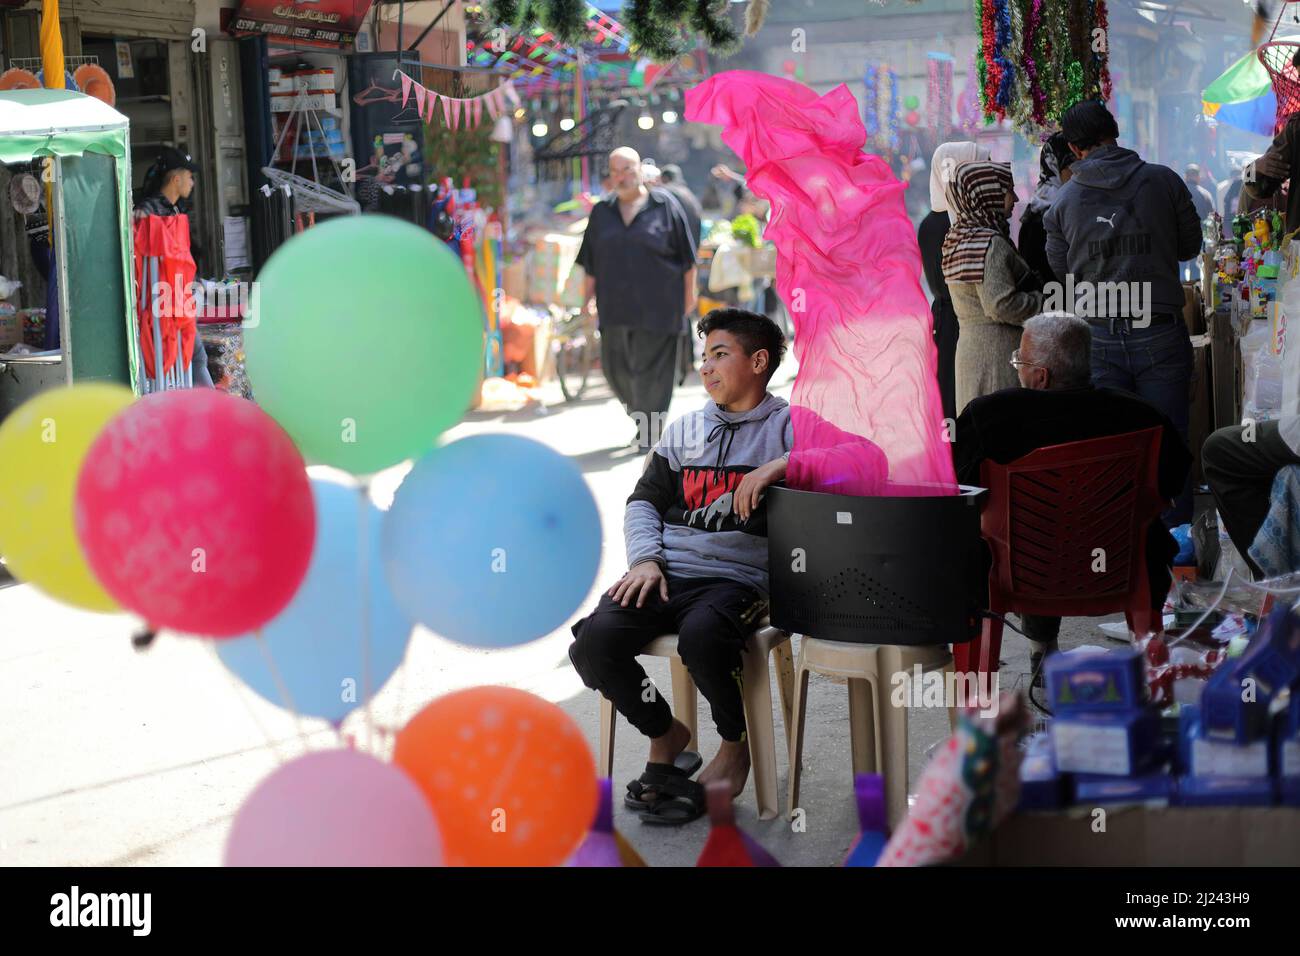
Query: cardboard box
315, 81
11, 328
1080, 683
1096, 790
514, 279
285, 102
1145, 836
1118, 744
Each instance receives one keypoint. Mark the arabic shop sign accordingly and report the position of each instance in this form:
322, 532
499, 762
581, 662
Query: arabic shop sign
318, 22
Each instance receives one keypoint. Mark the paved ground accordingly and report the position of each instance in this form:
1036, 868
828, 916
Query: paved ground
116, 757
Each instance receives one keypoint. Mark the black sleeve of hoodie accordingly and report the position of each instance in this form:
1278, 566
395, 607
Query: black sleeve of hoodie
1189, 224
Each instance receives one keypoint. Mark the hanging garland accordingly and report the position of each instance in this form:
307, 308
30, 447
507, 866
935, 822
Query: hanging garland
893, 111
1004, 45
1034, 45
870, 108
938, 93
1020, 104
1104, 57
1035, 59
987, 62
969, 101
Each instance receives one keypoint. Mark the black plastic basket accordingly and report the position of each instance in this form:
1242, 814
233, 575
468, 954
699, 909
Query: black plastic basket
876, 570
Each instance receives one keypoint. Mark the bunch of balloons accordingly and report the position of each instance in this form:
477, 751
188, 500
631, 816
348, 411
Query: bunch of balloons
193, 509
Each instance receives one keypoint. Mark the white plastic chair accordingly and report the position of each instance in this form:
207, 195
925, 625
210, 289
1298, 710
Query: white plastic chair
877, 730
760, 721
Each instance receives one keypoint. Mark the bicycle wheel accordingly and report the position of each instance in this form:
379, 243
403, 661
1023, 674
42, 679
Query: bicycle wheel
573, 368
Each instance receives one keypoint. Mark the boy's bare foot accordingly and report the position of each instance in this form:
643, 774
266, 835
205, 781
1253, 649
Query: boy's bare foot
666, 748
731, 764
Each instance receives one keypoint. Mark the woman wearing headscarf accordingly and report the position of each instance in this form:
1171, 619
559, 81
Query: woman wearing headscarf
993, 289
929, 236
1053, 172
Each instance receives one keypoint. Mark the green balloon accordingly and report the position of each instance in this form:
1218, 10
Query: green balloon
911, 102
364, 341
798, 73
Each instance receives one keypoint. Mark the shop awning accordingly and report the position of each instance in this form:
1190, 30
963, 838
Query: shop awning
332, 23
58, 122
1242, 96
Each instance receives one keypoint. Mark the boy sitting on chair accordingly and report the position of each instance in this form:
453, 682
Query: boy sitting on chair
696, 535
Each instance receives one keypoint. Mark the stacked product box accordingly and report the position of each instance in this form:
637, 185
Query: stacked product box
1105, 732
1241, 746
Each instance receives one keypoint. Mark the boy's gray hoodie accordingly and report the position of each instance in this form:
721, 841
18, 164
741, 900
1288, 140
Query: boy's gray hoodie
1120, 219
680, 512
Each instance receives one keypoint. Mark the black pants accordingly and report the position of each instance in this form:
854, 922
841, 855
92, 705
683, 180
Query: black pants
712, 617
1240, 474
641, 367
946, 332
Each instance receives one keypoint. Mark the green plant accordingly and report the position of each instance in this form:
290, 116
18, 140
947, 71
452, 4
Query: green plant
464, 153
747, 229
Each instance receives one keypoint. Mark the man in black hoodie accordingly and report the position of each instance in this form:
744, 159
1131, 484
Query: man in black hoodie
1116, 234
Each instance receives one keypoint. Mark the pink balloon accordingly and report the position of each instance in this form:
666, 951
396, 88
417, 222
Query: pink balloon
194, 511
335, 808
789, 66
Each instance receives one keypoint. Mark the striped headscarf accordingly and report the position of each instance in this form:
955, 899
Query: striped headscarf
977, 204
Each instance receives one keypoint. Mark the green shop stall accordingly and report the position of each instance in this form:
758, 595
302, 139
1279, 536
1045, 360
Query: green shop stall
74, 151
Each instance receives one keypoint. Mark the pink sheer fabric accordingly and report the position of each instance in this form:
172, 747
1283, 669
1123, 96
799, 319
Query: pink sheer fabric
866, 409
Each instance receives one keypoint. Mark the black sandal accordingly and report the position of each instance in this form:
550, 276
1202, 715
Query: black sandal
682, 768
683, 801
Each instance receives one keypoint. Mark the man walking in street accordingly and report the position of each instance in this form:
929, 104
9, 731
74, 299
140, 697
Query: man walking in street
1121, 226
639, 256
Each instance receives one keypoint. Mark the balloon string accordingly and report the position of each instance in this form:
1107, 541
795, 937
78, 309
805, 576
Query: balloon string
363, 566
252, 713
282, 688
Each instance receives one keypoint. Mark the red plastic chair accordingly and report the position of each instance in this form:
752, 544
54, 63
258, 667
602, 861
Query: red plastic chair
1046, 516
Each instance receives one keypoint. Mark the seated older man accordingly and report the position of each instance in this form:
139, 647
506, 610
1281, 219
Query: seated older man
1055, 404
1241, 462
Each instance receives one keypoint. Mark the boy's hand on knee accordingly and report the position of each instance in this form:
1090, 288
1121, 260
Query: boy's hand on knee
640, 582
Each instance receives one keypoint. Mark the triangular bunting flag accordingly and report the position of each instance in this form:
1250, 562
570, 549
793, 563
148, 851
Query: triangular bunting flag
406, 88
446, 111
420, 94
455, 113
433, 105
478, 110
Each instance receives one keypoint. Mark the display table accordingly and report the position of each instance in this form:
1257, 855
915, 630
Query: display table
1145, 836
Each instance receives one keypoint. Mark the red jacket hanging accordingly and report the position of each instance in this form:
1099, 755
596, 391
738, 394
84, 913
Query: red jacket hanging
166, 238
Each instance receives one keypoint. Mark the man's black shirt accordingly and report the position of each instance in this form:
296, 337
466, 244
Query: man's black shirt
639, 268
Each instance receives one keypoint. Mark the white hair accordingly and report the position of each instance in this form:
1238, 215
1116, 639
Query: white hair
1063, 344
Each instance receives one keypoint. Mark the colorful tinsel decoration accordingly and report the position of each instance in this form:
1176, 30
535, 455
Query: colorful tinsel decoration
938, 93
1035, 59
893, 111
870, 106
1104, 60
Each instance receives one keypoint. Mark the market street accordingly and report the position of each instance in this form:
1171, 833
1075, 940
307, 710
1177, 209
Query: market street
119, 757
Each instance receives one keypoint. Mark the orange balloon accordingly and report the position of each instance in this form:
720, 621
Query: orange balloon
509, 775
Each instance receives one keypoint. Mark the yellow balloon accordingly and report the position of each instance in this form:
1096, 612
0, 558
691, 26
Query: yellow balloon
42, 445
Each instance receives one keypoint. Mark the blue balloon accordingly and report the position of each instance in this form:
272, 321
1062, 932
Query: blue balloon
492, 541
328, 663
